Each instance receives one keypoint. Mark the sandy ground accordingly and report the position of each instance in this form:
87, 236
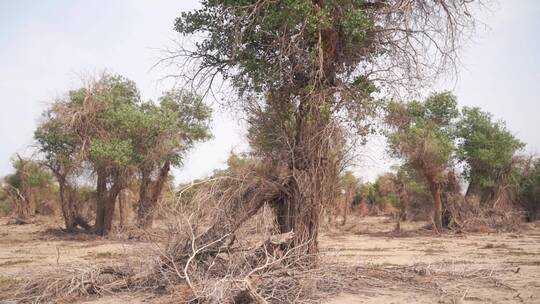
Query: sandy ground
512, 259
476, 268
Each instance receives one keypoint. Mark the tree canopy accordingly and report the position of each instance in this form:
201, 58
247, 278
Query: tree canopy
107, 128
486, 147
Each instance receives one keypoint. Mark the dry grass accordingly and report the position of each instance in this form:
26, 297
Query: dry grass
216, 250
15, 262
252, 271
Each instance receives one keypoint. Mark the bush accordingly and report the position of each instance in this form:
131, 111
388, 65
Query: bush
529, 196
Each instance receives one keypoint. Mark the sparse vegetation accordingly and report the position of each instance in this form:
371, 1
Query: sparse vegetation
288, 221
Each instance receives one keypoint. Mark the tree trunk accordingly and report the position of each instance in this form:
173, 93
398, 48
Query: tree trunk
282, 215
307, 188
473, 190
346, 205
106, 199
241, 206
301, 215
435, 188
109, 214
101, 190
403, 210
68, 199
404, 203
149, 194
122, 210
143, 205
310, 162
66, 206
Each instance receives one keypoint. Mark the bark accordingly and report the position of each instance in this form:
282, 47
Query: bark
346, 205
398, 222
101, 192
304, 219
282, 214
122, 209
68, 202
68, 210
302, 205
404, 203
345, 213
149, 194
435, 188
403, 209
307, 188
106, 199
473, 190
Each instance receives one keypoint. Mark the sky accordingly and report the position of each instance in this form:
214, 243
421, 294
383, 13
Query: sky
47, 46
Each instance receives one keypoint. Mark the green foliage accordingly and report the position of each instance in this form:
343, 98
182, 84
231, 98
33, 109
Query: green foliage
423, 133
382, 193
413, 183
190, 114
244, 45
348, 180
55, 142
368, 193
236, 163
115, 90
114, 128
36, 176
391, 189
112, 152
91, 124
166, 131
486, 147
271, 126
29, 179
529, 194
5, 205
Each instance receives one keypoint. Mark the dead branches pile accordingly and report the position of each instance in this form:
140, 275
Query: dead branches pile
467, 215
204, 253
70, 284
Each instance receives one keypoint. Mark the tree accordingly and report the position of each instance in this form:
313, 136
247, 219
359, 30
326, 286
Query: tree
5, 204
529, 194
348, 188
162, 135
306, 72
24, 184
412, 192
422, 134
57, 143
487, 149
86, 129
104, 127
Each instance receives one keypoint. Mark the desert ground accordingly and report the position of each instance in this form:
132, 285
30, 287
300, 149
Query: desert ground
413, 266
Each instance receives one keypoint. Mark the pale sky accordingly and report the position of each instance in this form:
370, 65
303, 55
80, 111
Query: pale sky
45, 46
